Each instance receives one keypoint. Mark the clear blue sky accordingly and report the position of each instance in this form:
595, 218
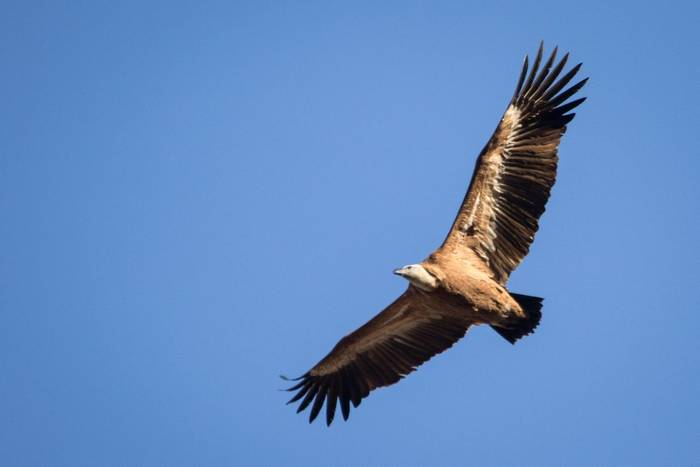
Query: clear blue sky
198, 197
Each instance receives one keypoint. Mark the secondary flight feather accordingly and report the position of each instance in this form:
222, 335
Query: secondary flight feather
463, 283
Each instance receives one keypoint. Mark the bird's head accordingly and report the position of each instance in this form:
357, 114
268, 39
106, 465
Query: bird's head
417, 275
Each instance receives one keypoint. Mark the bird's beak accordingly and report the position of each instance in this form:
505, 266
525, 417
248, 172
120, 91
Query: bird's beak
400, 271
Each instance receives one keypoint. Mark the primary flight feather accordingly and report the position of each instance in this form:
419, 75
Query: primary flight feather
463, 282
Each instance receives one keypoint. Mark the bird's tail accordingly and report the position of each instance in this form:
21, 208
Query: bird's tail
517, 328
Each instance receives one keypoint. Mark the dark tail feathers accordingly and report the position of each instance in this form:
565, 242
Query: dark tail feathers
523, 326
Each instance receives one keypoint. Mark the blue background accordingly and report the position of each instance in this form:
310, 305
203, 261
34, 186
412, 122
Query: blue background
197, 197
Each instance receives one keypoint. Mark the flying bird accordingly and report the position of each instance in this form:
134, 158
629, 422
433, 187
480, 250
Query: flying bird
463, 282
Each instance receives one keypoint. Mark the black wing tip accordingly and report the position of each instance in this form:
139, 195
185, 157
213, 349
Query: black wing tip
329, 417
287, 378
317, 390
296, 386
318, 402
521, 79
541, 88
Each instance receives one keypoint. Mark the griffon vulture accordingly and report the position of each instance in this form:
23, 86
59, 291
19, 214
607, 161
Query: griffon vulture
463, 283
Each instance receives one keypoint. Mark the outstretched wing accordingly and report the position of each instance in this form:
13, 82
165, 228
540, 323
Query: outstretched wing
387, 348
517, 169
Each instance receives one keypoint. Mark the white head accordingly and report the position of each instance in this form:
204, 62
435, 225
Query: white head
418, 276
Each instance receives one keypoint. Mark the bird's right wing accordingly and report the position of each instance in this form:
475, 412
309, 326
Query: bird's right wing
516, 170
381, 352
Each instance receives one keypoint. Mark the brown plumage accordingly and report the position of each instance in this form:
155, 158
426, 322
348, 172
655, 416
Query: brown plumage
463, 282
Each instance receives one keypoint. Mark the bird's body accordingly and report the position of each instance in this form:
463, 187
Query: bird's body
463, 282
462, 277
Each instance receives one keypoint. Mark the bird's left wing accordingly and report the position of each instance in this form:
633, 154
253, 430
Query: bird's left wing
381, 352
516, 170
